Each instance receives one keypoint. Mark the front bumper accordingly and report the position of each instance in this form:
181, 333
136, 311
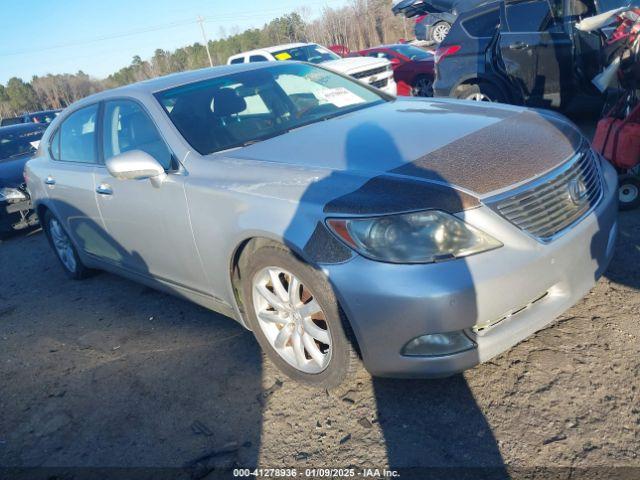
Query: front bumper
16, 216
388, 305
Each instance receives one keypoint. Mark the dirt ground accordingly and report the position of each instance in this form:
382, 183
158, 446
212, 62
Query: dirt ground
108, 373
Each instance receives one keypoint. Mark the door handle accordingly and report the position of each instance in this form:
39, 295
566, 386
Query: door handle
50, 180
104, 189
518, 46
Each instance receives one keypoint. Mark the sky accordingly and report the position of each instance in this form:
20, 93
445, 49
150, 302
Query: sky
100, 37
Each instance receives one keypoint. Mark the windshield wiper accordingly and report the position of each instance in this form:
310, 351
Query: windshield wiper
261, 139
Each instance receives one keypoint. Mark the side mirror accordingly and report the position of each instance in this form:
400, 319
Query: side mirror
136, 165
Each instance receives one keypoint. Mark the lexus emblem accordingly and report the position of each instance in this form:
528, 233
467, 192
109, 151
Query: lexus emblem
578, 192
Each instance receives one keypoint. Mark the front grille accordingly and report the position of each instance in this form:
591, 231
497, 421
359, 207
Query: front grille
380, 83
369, 73
552, 204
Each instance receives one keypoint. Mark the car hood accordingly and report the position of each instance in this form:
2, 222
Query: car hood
353, 65
475, 148
11, 171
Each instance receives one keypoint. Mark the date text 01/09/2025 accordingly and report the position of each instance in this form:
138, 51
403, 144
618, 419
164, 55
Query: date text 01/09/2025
315, 473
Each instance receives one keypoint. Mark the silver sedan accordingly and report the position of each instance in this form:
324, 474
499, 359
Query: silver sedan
338, 223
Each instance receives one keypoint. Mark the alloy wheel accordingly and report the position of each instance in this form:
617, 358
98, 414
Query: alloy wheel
292, 320
628, 193
62, 245
440, 32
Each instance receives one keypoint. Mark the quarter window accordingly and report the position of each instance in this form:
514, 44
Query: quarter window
532, 16
483, 25
128, 127
78, 137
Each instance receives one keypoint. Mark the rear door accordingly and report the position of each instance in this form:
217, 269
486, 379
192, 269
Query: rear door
537, 51
69, 180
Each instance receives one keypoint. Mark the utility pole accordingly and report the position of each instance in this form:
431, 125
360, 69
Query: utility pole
204, 37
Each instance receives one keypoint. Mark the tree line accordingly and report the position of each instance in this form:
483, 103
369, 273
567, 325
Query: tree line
359, 24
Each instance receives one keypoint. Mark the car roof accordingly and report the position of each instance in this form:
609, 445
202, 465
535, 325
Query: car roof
23, 127
273, 49
167, 82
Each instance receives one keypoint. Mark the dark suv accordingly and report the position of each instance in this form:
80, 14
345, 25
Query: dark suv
521, 51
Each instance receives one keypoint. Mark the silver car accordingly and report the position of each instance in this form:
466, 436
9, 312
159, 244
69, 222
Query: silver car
341, 225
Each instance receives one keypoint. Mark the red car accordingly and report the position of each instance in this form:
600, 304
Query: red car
412, 67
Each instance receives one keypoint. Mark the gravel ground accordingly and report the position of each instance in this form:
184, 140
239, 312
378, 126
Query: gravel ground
106, 372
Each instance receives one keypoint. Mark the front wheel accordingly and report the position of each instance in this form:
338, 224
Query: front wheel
64, 248
294, 314
629, 192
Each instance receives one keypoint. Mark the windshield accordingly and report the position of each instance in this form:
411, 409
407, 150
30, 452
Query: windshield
240, 109
307, 53
18, 144
413, 53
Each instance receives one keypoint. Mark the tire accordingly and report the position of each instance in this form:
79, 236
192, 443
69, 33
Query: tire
422, 87
439, 31
480, 92
59, 240
629, 192
339, 359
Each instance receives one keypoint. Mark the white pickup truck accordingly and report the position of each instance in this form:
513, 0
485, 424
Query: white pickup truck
376, 72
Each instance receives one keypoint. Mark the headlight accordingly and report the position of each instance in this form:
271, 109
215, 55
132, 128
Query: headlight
420, 237
7, 194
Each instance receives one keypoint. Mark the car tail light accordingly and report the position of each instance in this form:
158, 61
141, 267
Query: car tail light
421, 17
442, 52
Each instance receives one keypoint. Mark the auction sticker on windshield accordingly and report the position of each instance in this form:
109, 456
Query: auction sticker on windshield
341, 97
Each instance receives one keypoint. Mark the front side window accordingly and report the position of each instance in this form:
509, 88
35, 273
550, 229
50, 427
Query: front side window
127, 127
246, 107
77, 136
258, 58
306, 53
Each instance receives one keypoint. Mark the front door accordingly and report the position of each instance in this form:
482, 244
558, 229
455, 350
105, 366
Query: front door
150, 224
536, 51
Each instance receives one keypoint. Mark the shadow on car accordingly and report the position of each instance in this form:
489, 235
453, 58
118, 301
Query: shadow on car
429, 426
137, 380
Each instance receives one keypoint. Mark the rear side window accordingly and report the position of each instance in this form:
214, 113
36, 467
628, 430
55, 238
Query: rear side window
127, 127
483, 25
78, 136
237, 60
533, 16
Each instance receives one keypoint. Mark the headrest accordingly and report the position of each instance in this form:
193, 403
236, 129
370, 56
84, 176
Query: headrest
143, 130
227, 102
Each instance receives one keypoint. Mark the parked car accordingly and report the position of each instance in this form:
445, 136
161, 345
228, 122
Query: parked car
522, 52
374, 72
424, 235
17, 144
45, 116
434, 18
8, 121
412, 67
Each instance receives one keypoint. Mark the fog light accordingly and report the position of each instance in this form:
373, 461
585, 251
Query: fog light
438, 344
